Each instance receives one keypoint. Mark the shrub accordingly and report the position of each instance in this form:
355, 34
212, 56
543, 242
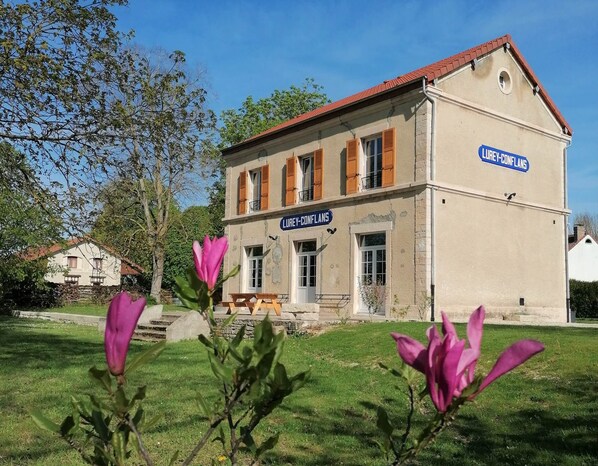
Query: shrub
584, 298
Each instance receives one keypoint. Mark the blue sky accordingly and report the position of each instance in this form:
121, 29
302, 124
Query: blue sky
253, 47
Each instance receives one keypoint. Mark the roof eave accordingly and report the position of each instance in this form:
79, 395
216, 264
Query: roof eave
403, 87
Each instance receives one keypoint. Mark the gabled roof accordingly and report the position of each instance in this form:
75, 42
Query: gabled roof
573, 243
127, 267
429, 73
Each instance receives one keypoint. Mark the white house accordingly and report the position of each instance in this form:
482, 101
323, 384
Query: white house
583, 256
84, 261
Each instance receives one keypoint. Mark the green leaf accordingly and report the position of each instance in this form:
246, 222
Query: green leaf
220, 370
100, 425
139, 395
383, 423
205, 409
101, 377
120, 447
206, 342
122, 403
248, 440
148, 355
67, 426
269, 444
43, 422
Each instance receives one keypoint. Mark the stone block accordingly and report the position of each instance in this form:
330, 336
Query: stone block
188, 327
151, 313
297, 308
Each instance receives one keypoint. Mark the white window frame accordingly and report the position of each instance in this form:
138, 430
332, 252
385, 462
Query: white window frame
255, 263
372, 179
306, 181
255, 190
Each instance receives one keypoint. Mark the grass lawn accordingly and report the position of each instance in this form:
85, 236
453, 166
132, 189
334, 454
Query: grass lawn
546, 412
88, 309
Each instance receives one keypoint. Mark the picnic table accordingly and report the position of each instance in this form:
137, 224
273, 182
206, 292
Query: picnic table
254, 302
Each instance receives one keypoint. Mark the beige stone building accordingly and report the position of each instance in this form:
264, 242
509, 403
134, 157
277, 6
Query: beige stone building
444, 186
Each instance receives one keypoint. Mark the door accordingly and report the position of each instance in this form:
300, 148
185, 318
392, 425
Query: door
306, 272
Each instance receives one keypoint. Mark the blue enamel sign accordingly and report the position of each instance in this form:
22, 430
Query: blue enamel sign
503, 158
310, 219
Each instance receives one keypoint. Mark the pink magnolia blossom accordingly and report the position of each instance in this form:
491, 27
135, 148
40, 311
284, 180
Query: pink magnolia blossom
209, 259
449, 366
121, 321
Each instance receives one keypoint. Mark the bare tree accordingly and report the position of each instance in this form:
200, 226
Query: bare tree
589, 221
163, 142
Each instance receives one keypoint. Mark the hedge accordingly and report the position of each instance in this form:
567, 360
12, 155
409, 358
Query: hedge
584, 298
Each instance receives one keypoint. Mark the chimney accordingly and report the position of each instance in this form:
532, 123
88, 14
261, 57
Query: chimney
579, 231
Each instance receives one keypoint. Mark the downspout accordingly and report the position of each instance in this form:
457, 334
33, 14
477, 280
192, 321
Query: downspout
431, 178
565, 202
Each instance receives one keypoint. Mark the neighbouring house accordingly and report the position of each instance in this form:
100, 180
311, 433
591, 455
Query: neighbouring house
444, 187
84, 261
583, 255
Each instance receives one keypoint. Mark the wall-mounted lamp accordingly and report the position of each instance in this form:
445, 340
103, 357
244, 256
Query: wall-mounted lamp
510, 196
332, 231
273, 238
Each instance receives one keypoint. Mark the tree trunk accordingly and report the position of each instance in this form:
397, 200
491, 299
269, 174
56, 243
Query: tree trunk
158, 271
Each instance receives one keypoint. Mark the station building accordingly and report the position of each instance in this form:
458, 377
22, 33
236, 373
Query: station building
440, 189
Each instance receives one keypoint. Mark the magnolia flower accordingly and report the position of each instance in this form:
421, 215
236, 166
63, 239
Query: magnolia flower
123, 315
209, 259
449, 366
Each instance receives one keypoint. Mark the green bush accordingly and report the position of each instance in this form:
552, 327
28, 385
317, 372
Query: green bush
584, 298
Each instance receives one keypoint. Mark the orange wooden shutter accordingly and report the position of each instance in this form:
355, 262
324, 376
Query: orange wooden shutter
318, 173
265, 187
388, 157
351, 166
290, 186
242, 192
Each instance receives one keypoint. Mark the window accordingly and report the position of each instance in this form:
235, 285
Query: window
255, 260
372, 148
306, 164
97, 264
71, 262
255, 190
370, 162
505, 84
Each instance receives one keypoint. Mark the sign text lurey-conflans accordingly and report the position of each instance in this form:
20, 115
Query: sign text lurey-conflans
504, 159
310, 219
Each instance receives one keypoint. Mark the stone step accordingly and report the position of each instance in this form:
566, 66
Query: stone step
154, 325
147, 338
154, 335
160, 322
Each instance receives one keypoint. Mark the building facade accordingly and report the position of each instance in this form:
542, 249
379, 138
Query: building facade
441, 189
84, 261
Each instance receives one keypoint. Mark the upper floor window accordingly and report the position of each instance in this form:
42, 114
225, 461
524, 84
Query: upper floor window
306, 164
370, 162
71, 262
304, 175
254, 189
98, 264
372, 149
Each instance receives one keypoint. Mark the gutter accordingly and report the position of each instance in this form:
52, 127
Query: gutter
432, 212
565, 202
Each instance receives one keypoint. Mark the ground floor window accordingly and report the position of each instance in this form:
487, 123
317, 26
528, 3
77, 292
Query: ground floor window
372, 277
255, 261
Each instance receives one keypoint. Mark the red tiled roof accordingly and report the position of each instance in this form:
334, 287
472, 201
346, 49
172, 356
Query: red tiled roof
127, 267
430, 73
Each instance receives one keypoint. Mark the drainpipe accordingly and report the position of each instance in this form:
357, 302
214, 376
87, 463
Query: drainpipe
565, 202
431, 176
